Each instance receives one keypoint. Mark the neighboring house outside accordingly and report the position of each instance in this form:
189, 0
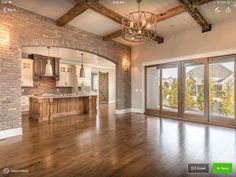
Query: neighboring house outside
222, 77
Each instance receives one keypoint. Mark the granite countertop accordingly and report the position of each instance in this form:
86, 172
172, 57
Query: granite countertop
61, 96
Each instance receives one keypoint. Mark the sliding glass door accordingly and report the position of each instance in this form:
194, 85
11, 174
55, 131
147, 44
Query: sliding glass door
170, 89
221, 89
153, 90
200, 90
193, 90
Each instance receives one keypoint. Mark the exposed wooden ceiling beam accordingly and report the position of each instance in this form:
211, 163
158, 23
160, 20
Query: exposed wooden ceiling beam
197, 16
159, 39
101, 9
197, 3
112, 35
163, 16
171, 13
116, 34
71, 14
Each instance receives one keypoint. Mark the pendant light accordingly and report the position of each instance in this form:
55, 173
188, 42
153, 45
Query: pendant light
48, 69
81, 73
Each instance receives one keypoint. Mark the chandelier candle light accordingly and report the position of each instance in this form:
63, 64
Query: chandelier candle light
139, 26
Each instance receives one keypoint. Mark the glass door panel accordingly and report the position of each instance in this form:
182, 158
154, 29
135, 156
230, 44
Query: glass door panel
170, 89
194, 90
152, 90
221, 89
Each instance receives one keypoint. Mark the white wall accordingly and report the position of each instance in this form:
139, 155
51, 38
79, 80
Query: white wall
111, 80
187, 45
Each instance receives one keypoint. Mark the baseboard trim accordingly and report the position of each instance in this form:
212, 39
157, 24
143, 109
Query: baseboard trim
10, 132
136, 110
123, 111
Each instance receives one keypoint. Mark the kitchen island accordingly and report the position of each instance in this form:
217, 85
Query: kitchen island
48, 107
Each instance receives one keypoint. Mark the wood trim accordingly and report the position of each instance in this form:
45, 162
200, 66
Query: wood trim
168, 65
101, 9
219, 121
196, 3
191, 120
148, 110
71, 14
171, 13
163, 16
203, 117
118, 33
161, 88
159, 39
206, 92
222, 119
112, 35
197, 16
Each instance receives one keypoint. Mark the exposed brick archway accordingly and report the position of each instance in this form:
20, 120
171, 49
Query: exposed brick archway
68, 44
27, 29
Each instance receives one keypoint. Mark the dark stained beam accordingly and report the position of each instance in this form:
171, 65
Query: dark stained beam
101, 9
171, 13
71, 14
197, 16
197, 3
159, 39
160, 17
119, 33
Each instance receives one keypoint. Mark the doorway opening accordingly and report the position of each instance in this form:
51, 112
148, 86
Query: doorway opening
68, 80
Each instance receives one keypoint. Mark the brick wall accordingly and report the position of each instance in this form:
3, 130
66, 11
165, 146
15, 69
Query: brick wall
24, 28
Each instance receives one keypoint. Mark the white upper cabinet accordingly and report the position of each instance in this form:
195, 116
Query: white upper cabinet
27, 73
67, 76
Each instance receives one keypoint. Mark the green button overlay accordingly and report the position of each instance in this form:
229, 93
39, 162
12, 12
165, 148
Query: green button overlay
222, 168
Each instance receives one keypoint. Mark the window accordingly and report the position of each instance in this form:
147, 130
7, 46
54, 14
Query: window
221, 87
199, 89
153, 87
170, 88
94, 81
194, 98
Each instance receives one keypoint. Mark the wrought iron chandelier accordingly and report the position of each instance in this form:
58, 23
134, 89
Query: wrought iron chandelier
139, 26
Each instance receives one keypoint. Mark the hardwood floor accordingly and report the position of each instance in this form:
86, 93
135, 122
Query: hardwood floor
131, 145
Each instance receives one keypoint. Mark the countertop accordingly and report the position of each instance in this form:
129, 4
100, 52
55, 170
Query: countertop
45, 96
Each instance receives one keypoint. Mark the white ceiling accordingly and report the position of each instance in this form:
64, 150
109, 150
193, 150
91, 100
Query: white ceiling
71, 55
154, 6
173, 25
49, 8
208, 11
95, 23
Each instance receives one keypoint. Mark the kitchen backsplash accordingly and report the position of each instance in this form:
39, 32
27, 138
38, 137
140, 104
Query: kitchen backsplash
45, 85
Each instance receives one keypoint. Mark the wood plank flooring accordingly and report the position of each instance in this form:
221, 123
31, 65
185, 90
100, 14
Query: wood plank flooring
131, 145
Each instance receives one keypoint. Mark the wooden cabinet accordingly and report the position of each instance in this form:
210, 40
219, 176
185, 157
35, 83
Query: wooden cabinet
27, 73
40, 63
67, 76
84, 81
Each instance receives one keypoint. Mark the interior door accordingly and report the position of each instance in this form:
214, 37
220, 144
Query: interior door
194, 89
170, 89
103, 87
222, 90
